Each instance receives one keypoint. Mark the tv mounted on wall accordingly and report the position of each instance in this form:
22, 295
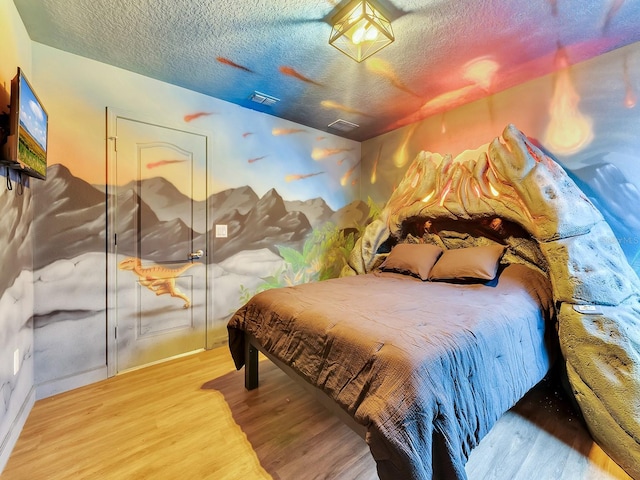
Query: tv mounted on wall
25, 148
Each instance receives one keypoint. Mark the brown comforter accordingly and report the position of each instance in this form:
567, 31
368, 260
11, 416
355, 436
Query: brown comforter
427, 367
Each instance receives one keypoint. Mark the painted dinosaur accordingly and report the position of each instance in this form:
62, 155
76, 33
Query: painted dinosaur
158, 279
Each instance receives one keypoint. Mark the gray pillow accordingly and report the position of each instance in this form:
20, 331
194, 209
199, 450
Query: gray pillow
415, 259
473, 263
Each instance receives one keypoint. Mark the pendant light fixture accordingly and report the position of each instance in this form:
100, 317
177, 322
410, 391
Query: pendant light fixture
360, 30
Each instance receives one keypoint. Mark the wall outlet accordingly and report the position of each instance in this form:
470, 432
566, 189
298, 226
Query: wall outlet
16, 361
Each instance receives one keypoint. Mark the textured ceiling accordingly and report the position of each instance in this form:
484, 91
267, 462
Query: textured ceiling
446, 52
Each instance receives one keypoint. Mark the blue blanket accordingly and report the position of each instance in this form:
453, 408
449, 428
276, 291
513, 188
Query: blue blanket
427, 367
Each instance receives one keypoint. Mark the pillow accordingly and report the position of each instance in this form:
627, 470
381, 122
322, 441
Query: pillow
415, 259
473, 263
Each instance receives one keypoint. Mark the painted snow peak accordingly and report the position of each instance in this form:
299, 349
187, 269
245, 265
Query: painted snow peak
596, 291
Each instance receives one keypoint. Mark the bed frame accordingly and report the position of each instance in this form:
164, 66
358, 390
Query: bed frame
252, 348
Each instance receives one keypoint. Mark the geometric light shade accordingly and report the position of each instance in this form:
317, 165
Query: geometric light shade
360, 30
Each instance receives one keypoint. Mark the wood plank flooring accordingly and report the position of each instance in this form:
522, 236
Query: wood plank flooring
190, 418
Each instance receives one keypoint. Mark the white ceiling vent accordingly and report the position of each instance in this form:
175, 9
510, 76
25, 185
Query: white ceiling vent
264, 99
343, 125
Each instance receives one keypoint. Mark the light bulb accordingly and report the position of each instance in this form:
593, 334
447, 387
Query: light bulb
372, 34
364, 33
359, 35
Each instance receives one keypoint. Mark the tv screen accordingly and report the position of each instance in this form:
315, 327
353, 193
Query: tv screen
27, 142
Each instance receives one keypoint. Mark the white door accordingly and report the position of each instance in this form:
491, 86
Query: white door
158, 266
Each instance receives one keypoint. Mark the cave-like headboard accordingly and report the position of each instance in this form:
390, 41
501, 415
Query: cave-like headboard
510, 184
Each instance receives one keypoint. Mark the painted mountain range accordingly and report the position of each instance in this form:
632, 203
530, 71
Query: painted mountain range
169, 203
612, 193
71, 215
14, 231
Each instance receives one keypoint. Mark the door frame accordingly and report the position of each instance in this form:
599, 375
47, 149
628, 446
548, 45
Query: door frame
112, 115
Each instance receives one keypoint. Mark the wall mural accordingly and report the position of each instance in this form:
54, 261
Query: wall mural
16, 301
288, 195
294, 199
272, 242
16, 257
585, 117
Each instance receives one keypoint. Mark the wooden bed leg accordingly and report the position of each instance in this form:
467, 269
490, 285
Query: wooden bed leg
250, 366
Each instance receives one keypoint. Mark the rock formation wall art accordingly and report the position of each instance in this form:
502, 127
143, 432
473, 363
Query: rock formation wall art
596, 292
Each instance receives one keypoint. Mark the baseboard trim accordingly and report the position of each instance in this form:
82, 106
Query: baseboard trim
65, 384
218, 341
162, 360
10, 440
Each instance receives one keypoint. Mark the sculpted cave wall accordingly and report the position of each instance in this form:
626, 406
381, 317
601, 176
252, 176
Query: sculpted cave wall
597, 294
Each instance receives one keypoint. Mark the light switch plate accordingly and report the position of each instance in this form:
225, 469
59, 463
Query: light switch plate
221, 231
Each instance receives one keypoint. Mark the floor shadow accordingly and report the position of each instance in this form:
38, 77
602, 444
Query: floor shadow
290, 431
552, 409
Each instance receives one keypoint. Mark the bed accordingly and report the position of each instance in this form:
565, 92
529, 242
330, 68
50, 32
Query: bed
425, 367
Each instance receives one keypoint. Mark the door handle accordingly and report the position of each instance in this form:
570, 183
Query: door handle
196, 255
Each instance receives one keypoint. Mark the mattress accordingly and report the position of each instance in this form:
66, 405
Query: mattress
426, 367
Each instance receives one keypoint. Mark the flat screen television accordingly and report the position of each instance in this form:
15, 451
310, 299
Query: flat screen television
26, 146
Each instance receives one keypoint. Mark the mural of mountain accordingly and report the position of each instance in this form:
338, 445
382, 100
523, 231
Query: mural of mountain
160, 241
69, 218
611, 192
14, 233
168, 203
266, 225
316, 210
351, 216
222, 203
72, 217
